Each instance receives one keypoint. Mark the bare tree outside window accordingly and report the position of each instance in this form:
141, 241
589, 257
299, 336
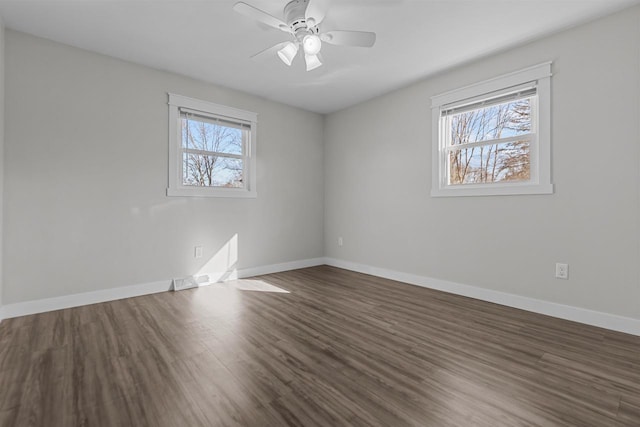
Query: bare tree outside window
212, 153
495, 161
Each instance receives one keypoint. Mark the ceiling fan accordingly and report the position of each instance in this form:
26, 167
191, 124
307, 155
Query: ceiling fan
301, 20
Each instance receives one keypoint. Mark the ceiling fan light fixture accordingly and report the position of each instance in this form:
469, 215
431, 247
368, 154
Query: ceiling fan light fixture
311, 44
312, 62
288, 52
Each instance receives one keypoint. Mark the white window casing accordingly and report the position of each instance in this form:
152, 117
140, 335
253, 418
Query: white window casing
531, 82
203, 111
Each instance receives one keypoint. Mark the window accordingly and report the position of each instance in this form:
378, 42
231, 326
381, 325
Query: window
211, 149
493, 138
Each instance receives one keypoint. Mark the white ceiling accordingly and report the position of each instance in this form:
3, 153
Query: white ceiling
207, 40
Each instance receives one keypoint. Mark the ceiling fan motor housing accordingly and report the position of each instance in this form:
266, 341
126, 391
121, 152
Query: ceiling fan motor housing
294, 15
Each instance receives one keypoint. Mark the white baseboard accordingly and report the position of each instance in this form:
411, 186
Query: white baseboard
276, 268
582, 315
567, 312
233, 274
85, 298
58, 303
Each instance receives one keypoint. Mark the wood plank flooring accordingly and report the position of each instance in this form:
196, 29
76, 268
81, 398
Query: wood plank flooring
329, 348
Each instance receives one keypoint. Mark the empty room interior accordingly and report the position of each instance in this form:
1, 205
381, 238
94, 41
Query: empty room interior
320, 213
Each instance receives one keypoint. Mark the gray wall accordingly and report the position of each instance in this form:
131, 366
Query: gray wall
86, 174
378, 178
85, 177
1, 154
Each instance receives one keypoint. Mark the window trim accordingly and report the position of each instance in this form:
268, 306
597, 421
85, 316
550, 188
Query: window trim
540, 150
175, 187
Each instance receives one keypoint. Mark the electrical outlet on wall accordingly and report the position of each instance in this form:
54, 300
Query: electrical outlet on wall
562, 271
340, 241
198, 252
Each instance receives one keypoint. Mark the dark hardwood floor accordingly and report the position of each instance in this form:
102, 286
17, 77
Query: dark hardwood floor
339, 348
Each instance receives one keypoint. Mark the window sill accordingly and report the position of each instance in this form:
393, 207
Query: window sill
492, 190
211, 192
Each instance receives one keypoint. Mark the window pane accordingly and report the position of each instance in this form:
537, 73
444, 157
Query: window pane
493, 122
212, 171
210, 136
490, 163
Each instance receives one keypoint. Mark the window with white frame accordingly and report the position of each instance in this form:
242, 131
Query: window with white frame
493, 138
211, 149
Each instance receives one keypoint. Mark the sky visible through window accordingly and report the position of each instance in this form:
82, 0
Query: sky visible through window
212, 153
495, 161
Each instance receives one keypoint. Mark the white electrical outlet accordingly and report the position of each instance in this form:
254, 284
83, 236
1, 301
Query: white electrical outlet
198, 252
562, 271
340, 241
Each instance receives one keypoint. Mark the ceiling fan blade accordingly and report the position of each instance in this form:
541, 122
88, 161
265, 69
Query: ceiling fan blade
262, 16
269, 51
349, 38
315, 12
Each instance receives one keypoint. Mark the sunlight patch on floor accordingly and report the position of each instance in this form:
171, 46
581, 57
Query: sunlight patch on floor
254, 285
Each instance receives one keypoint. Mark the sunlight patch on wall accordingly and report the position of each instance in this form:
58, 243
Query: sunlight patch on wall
222, 265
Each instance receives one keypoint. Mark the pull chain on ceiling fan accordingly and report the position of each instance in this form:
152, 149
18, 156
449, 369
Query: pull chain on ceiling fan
301, 21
